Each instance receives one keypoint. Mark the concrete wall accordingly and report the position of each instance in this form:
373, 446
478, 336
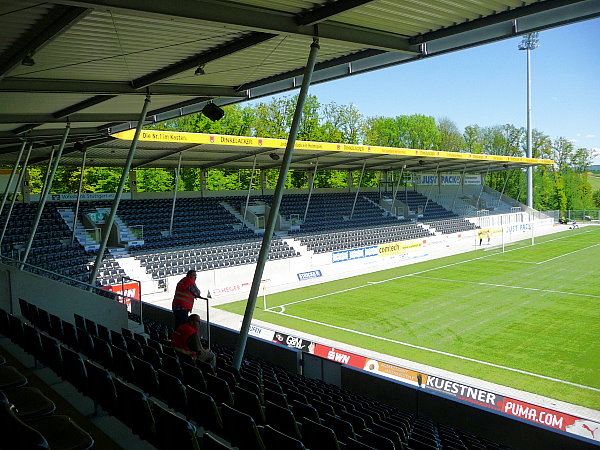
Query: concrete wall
58, 298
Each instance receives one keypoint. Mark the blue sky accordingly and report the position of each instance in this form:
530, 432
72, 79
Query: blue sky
487, 85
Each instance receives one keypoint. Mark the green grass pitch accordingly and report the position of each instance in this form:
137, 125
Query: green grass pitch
528, 317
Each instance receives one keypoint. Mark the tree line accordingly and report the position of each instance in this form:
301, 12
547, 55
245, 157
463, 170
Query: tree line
562, 186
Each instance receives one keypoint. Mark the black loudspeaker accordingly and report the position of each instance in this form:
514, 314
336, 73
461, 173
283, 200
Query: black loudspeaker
213, 112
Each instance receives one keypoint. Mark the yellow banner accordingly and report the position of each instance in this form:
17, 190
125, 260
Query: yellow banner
244, 141
396, 372
397, 248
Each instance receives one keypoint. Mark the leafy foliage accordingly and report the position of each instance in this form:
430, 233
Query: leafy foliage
565, 186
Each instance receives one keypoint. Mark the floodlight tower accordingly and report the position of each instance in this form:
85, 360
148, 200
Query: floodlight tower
530, 42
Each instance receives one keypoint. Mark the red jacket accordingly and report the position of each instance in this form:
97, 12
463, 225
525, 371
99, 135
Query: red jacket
181, 335
183, 296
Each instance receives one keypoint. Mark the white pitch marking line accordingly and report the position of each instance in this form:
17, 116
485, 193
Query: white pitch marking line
511, 261
370, 283
441, 352
508, 286
566, 254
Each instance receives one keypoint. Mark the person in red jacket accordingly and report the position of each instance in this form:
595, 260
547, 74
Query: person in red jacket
185, 294
185, 339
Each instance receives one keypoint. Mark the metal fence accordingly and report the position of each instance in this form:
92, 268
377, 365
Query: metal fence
581, 215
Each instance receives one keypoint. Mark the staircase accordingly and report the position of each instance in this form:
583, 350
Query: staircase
126, 235
239, 217
83, 237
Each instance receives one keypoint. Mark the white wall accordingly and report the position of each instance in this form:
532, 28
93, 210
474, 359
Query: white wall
58, 298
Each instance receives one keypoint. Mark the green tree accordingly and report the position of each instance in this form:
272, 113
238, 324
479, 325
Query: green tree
155, 180
451, 139
104, 179
562, 151
341, 123
474, 139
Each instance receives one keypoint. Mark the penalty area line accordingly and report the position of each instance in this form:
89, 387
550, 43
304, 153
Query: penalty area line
551, 291
439, 352
371, 283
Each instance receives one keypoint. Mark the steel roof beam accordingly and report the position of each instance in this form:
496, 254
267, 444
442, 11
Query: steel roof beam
51, 86
236, 158
301, 159
43, 134
92, 101
328, 10
164, 155
257, 19
89, 143
56, 22
74, 118
500, 17
239, 44
343, 60
349, 161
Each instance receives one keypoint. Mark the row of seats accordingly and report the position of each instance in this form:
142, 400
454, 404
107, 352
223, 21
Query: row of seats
168, 263
28, 418
258, 407
328, 242
449, 226
51, 249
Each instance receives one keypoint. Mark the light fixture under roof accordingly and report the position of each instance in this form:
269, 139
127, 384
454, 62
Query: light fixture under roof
28, 61
200, 71
213, 112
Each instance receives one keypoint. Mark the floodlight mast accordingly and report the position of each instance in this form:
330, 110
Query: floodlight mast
530, 42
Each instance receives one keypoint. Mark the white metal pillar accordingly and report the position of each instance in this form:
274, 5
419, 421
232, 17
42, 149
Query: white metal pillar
358, 188
44, 195
113, 212
14, 199
175, 194
250, 187
12, 176
312, 184
272, 219
83, 158
529, 133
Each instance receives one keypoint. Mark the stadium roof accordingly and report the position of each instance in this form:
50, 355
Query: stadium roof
91, 63
162, 149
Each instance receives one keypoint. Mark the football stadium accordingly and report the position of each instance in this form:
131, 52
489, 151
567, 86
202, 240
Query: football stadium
424, 309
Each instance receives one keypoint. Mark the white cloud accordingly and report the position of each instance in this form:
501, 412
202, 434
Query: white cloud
590, 136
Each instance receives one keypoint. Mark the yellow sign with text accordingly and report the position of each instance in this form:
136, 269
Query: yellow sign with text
398, 248
245, 141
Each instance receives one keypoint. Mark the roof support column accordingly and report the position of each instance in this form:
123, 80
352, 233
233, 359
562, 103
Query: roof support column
263, 181
45, 192
312, 184
12, 176
14, 199
175, 193
430, 189
362, 172
270, 226
461, 185
503, 188
396, 190
113, 212
249, 188
202, 182
482, 185
48, 170
83, 158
